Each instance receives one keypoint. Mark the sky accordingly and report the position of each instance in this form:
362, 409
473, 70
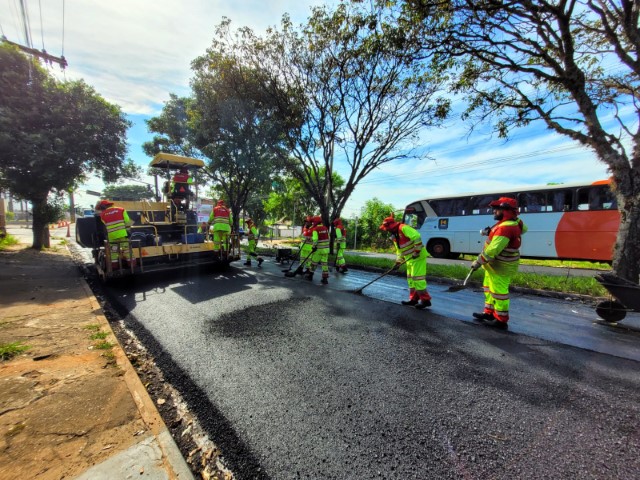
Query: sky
136, 52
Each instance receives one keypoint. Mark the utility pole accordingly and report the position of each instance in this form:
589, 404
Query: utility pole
355, 234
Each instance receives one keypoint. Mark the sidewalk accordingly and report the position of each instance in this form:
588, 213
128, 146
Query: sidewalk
69, 409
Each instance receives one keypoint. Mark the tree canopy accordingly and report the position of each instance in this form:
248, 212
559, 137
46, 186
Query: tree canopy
233, 125
53, 134
572, 64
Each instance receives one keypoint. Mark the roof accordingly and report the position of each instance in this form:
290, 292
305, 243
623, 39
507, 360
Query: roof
169, 160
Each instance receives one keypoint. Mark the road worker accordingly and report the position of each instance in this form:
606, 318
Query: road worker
220, 222
499, 259
116, 220
341, 241
306, 244
320, 249
180, 192
252, 237
411, 252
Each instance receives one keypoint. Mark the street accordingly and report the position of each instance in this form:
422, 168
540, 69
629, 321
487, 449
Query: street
296, 380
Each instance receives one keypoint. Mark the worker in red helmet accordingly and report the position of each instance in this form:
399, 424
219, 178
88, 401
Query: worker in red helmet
499, 259
410, 251
220, 224
341, 241
252, 237
306, 244
320, 249
180, 191
116, 220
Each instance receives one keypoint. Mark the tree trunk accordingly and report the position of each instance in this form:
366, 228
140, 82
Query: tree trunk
39, 225
626, 263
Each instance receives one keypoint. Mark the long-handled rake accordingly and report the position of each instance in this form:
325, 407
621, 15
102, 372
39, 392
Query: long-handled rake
289, 273
461, 286
397, 265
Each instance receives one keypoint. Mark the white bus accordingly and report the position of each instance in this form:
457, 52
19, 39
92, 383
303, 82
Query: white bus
565, 221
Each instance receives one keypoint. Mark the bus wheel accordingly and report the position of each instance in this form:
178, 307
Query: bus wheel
438, 248
611, 311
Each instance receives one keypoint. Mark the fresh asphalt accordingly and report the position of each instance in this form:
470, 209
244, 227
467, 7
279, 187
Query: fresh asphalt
297, 380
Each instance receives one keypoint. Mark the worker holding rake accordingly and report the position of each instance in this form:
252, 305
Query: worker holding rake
409, 250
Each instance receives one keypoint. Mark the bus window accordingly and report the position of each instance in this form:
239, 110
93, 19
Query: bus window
601, 198
532, 202
561, 200
449, 207
414, 215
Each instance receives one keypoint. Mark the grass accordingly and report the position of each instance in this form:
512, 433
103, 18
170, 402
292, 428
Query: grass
552, 283
103, 345
99, 336
10, 350
7, 241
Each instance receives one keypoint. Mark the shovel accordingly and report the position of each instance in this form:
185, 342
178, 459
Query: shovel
359, 290
463, 285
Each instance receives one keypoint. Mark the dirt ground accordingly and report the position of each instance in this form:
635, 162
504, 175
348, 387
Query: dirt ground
64, 405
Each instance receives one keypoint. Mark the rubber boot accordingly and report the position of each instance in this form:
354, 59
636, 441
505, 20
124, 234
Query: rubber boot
248, 263
482, 316
425, 301
260, 260
308, 276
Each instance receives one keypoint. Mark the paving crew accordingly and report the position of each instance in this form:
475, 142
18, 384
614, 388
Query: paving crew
341, 241
411, 252
220, 222
252, 236
499, 259
116, 220
320, 249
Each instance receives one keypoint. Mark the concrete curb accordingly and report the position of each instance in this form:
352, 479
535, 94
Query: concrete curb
157, 448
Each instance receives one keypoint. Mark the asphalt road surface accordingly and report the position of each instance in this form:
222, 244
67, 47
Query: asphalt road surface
296, 380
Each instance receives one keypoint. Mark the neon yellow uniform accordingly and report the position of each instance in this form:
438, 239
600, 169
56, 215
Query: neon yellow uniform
500, 258
341, 240
409, 248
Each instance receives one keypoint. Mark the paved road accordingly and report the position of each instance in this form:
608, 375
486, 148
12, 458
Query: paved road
296, 380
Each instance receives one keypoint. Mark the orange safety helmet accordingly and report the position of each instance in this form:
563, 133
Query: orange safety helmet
505, 203
337, 221
221, 202
316, 220
389, 224
308, 219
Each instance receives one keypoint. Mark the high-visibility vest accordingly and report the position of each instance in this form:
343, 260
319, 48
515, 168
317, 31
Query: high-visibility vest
221, 218
116, 219
408, 241
507, 233
320, 235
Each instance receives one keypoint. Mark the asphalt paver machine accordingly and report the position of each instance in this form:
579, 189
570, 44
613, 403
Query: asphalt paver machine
164, 234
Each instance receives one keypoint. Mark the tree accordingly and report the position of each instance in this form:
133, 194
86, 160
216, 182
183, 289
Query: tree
53, 134
234, 126
174, 135
348, 96
572, 64
371, 217
290, 200
128, 192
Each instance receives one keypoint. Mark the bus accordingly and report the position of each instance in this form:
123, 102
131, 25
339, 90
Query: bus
565, 221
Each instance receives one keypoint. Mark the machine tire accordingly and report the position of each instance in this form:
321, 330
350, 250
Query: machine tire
85, 230
611, 311
439, 248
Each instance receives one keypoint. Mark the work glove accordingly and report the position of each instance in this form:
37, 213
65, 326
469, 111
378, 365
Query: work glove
475, 265
415, 254
314, 249
485, 231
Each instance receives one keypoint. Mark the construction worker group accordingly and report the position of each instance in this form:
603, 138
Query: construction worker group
499, 258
